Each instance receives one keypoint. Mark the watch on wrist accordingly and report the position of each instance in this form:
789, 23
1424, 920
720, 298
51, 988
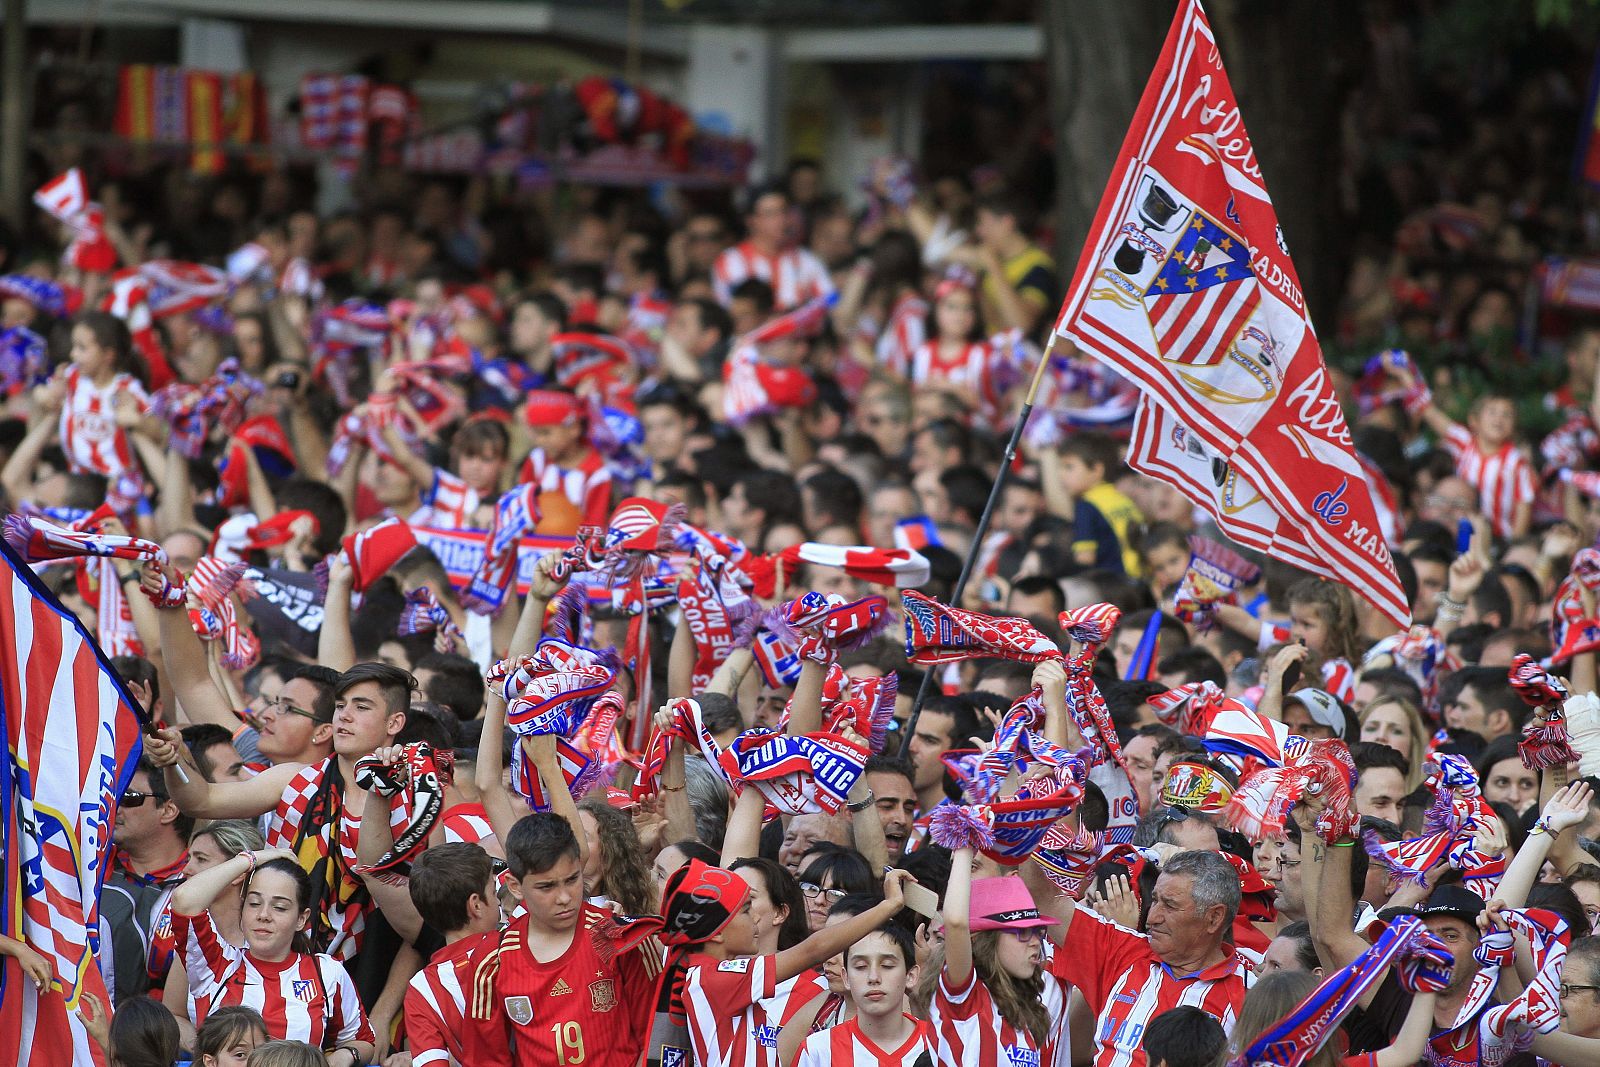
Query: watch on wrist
856, 807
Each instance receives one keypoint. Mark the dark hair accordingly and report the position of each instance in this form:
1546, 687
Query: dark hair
538, 842
396, 683
894, 932
1305, 950
837, 495
112, 333
324, 502
431, 723
783, 891
137, 669
1494, 693
225, 1027
713, 316
183, 825
1002, 202
845, 867
455, 681
1501, 748
1193, 664
1184, 1037
1553, 896
143, 1034
1042, 585
963, 717
1393, 681
696, 849
476, 436
886, 764
1492, 598
758, 293
775, 494
326, 679
968, 489
929, 865
549, 304
200, 736
1094, 450
1370, 754
302, 893
444, 878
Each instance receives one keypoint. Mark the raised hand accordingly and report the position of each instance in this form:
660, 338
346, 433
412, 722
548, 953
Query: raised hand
1569, 807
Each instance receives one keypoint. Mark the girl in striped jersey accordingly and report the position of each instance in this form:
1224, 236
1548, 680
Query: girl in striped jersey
101, 400
956, 359
988, 998
302, 997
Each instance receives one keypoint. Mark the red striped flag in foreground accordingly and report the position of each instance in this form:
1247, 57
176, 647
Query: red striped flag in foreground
72, 740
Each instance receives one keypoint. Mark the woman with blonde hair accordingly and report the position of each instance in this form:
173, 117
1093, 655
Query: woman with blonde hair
1395, 721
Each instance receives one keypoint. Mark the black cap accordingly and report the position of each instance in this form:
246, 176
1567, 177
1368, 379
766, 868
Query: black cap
1452, 900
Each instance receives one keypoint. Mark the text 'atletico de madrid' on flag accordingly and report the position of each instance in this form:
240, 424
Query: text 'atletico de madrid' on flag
1185, 286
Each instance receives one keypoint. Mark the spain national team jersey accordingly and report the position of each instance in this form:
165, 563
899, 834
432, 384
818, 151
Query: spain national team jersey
591, 1006
436, 1004
302, 997
846, 1046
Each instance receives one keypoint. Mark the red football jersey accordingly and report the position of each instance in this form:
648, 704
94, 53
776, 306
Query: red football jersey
592, 1005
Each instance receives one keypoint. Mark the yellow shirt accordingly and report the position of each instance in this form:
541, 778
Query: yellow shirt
1123, 515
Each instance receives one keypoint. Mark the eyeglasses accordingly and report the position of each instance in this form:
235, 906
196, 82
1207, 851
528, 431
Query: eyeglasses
135, 799
812, 892
282, 706
1569, 990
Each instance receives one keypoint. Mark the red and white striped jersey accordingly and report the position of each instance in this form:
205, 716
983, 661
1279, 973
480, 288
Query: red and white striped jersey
971, 368
302, 997
447, 504
904, 334
435, 1006
90, 436
794, 274
470, 823
788, 997
846, 1046
588, 1006
1126, 985
569, 497
726, 1023
968, 1028
1339, 678
1504, 478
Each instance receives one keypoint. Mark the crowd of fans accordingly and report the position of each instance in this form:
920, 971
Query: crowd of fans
525, 808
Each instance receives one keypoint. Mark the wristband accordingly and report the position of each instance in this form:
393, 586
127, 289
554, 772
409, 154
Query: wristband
863, 805
1540, 827
1343, 844
250, 858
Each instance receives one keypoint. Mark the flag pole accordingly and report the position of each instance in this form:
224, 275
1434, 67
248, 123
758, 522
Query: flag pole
983, 528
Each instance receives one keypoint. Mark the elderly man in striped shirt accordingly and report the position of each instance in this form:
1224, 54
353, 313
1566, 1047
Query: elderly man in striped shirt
1184, 957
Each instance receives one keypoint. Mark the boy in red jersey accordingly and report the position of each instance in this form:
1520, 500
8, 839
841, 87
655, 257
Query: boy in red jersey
878, 970
567, 983
454, 889
713, 982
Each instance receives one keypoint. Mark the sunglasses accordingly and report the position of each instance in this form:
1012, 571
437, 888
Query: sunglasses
135, 799
1027, 933
813, 891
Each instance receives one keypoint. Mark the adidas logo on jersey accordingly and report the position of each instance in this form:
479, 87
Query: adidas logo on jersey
560, 987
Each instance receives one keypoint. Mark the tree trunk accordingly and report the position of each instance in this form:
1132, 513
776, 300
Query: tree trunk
1100, 55
1291, 66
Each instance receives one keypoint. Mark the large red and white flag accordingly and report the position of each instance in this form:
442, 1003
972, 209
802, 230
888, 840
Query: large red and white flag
71, 737
1185, 286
